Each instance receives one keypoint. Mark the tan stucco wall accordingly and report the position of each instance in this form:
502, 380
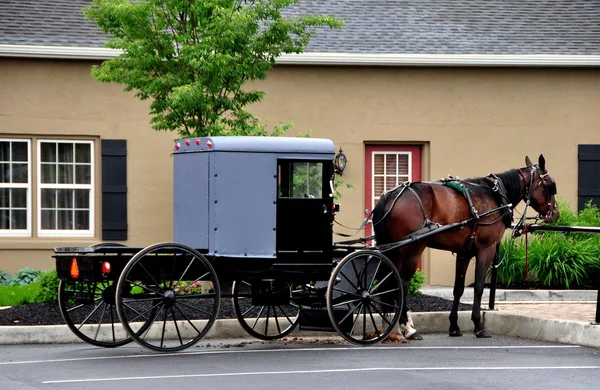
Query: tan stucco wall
472, 121
59, 98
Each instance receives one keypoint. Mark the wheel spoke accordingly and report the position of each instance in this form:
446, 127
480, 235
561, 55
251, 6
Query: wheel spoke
346, 292
190, 283
347, 302
100, 321
372, 288
382, 281
195, 308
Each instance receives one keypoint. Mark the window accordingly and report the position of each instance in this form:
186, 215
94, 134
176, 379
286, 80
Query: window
389, 170
65, 188
47, 189
304, 180
15, 190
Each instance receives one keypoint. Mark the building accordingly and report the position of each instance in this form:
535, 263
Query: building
426, 88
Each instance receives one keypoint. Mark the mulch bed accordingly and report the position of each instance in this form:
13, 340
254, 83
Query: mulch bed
49, 314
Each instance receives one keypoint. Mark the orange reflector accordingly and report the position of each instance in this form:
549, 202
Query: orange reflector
74, 269
105, 268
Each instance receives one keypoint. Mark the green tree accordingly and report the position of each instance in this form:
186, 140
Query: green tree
193, 57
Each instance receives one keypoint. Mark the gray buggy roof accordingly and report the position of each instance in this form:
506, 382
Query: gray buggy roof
294, 145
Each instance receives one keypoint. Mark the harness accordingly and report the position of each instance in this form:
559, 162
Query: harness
497, 187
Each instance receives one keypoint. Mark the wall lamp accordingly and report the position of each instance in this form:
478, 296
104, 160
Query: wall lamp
339, 163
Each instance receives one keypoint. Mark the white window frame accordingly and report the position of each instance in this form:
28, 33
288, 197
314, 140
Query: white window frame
59, 232
375, 197
20, 232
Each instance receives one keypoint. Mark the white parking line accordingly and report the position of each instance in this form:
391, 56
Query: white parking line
344, 370
287, 350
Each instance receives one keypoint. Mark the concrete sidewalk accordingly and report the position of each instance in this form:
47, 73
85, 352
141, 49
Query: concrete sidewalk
499, 322
516, 295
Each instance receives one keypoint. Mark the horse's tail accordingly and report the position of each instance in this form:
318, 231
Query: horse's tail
382, 235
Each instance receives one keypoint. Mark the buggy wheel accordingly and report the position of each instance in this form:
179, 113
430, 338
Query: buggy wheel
264, 308
178, 288
89, 310
365, 297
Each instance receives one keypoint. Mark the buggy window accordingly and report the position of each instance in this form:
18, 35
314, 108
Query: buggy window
300, 179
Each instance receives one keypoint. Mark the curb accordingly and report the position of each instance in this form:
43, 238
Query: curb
505, 324
517, 295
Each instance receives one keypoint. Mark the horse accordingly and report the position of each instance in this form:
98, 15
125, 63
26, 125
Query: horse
471, 216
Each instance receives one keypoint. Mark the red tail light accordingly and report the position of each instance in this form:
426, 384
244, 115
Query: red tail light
105, 268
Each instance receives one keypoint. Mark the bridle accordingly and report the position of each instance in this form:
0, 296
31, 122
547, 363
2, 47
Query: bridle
549, 189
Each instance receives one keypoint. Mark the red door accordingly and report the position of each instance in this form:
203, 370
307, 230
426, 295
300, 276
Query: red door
386, 167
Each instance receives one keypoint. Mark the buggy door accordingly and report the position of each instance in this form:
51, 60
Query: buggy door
304, 207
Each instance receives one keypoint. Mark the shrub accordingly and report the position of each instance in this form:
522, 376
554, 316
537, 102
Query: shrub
556, 260
26, 276
417, 281
5, 279
48, 283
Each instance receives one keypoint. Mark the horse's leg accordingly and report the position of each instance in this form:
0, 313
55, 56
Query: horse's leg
408, 269
462, 264
484, 259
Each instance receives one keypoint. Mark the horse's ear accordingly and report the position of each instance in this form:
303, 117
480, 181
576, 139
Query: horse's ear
542, 162
528, 162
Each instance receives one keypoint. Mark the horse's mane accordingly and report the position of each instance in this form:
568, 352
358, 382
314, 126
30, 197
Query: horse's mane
510, 179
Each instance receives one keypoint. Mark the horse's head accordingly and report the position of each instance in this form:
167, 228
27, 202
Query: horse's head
540, 189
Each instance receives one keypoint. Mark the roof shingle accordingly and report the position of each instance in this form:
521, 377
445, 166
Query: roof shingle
372, 26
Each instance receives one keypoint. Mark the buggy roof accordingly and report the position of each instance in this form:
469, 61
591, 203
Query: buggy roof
256, 145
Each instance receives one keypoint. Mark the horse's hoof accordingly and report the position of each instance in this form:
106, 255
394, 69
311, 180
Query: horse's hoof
455, 333
415, 336
483, 334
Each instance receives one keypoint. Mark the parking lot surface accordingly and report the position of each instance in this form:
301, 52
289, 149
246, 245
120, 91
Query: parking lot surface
438, 362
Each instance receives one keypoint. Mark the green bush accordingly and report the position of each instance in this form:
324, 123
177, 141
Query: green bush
5, 279
26, 276
556, 260
417, 281
48, 283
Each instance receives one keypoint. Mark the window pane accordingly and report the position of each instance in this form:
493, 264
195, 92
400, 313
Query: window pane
19, 197
4, 197
65, 220
4, 173
48, 152
391, 182
19, 173
82, 199
83, 174
65, 199
379, 186
48, 199
378, 164
4, 219
83, 153
82, 220
19, 151
4, 151
48, 173
48, 219
19, 219
65, 152
307, 180
65, 173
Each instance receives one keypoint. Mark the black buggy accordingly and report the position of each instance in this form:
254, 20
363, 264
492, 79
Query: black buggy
254, 214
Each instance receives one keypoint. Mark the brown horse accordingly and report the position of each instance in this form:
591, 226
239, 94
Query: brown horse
467, 217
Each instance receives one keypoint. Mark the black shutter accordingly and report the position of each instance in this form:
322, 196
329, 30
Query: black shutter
588, 187
114, 189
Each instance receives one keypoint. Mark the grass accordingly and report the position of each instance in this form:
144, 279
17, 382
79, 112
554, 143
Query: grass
19, 295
